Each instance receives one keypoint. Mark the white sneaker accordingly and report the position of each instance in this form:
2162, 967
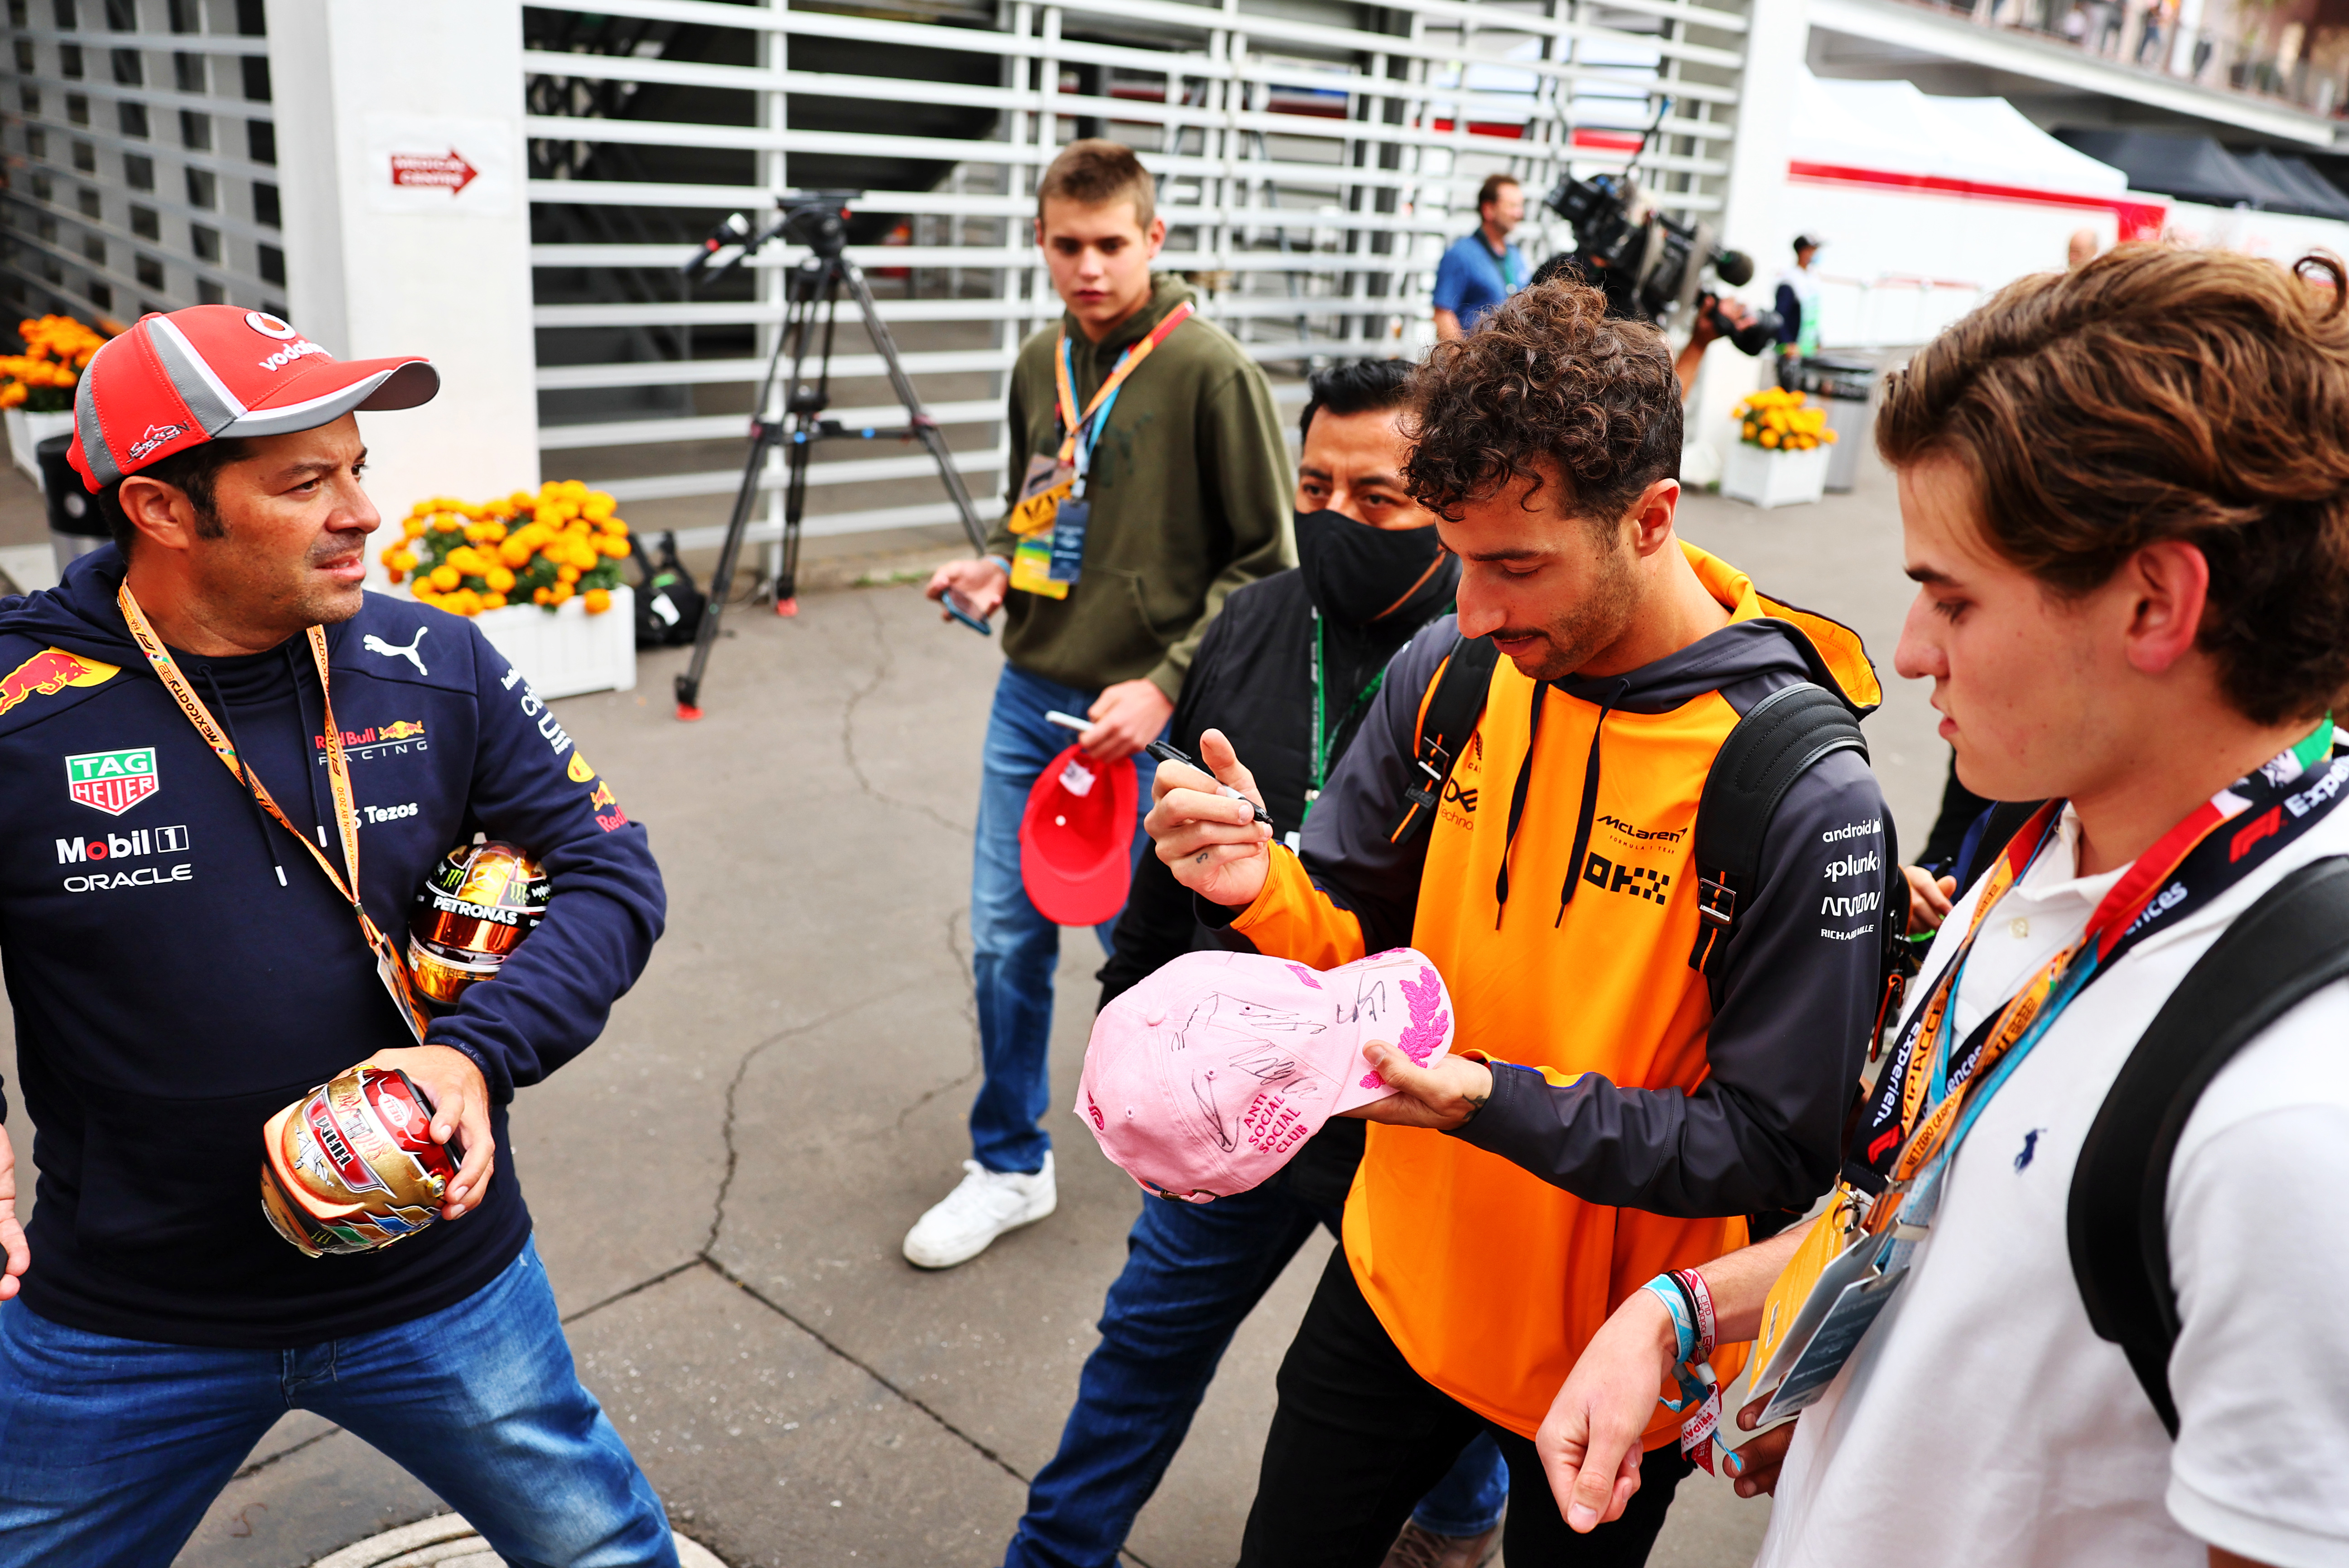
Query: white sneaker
983, 1205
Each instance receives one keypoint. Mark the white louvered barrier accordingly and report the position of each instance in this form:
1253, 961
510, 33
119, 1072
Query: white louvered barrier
1314, 158
141, 150
1312, 170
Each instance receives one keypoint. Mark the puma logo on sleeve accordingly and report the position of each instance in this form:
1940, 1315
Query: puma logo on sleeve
375, 644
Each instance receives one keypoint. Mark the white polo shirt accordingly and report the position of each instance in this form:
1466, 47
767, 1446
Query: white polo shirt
1982, 1420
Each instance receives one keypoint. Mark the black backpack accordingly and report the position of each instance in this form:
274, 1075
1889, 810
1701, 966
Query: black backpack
1777, 741
669, 605
2292, 943
2289, 945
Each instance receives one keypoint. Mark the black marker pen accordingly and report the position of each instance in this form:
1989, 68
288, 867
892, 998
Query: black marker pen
1164, 754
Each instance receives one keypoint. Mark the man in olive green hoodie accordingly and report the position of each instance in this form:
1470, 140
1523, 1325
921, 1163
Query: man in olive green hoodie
1172, 457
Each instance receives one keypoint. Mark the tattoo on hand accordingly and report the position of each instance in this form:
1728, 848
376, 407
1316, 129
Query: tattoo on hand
1202, 859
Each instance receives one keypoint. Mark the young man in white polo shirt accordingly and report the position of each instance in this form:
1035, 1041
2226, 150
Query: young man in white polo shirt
2124, 492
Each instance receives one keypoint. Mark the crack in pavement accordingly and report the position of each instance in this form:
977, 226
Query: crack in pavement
875, 1373
970, 1012
258, 1466
733, 1086
848, 728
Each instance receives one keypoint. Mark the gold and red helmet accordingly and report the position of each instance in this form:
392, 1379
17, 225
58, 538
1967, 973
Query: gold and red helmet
471, 912
352, 1165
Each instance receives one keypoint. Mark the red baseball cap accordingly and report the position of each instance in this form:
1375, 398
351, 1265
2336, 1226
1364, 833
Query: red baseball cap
1076, 839
179, 381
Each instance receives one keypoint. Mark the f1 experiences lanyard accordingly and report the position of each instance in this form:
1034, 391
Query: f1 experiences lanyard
1936, 1089
1081, 430
388, 962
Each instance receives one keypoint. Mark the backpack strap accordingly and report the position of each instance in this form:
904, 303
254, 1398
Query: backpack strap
1779, 740
1454, 706
2285, 946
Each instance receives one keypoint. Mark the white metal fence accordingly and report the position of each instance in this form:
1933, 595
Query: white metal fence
139, 152
1313, 158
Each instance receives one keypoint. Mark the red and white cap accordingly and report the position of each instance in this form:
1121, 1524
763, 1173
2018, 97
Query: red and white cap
179, 381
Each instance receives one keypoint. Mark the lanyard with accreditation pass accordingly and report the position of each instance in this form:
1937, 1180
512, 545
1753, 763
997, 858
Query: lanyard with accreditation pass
1936, 1087
1052, 513
389, 964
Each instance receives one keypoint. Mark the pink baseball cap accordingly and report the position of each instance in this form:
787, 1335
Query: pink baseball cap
212, 371
1076, 839
1204, 1078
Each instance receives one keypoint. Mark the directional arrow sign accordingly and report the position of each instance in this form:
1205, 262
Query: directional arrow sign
437, 171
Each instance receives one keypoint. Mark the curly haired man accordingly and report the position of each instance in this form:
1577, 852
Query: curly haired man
1614, 1106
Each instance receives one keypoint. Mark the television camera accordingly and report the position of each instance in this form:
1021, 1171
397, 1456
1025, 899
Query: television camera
1649, 266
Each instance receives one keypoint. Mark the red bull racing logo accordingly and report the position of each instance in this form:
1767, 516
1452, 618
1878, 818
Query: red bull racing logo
50, 671
377, 740
113, 782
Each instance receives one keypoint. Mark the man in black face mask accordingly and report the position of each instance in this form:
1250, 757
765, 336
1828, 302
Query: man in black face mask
1287, 671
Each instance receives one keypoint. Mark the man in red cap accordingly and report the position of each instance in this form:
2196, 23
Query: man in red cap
194, 923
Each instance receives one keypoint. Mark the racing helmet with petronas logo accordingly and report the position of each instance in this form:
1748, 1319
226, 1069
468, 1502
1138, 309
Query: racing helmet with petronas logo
471, 912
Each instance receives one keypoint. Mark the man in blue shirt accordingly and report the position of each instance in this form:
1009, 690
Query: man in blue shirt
1482, 269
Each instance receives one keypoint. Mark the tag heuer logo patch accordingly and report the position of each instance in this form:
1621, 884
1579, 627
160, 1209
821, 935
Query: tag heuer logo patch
113, 782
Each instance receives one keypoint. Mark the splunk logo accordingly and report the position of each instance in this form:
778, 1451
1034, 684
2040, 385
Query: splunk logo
1852, 866
128, 846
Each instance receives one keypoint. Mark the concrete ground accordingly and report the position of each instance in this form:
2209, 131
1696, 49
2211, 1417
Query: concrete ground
722, 1183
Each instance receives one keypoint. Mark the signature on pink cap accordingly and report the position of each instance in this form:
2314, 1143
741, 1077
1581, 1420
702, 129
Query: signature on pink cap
1204, 1079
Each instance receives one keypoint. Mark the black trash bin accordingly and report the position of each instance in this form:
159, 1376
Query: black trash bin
1845, 387
75, 526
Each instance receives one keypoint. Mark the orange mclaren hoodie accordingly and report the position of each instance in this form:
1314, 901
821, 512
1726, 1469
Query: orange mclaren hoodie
1653, 1107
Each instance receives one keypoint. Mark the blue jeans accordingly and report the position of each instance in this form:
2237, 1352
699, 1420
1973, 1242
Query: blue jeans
1013, 948
1193, 1271
110, 1449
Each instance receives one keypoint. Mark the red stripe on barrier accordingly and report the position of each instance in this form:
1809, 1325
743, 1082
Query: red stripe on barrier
2138, 220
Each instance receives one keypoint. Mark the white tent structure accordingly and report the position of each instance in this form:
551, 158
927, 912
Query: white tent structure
1929, 204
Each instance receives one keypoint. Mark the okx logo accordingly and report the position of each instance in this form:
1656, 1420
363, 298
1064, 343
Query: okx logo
113, 782
1638, 882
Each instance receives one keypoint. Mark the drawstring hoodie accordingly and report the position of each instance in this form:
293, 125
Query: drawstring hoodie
244, 769
310, 774
1584, 815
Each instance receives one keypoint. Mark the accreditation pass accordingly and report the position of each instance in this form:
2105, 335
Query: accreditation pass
1850, 1294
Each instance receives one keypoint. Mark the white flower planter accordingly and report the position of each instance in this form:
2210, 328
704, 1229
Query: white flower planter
570, 651
1768, 478
26, 432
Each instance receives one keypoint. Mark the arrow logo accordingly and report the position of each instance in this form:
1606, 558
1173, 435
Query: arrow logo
438, 171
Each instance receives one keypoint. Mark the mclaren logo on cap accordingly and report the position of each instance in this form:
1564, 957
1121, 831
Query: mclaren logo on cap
270, 327
156, 436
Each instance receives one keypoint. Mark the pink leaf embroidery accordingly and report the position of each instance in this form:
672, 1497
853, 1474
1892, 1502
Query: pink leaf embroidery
1429, 1023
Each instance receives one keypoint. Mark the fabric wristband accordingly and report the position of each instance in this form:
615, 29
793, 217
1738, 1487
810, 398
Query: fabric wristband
1669, 1291
1699, 1299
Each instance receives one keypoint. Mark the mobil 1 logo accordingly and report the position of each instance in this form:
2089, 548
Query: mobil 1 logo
106, 858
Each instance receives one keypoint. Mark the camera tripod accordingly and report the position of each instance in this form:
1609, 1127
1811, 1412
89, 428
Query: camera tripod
817, 220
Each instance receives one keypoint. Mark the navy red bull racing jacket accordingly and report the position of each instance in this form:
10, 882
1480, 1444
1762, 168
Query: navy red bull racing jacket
171, 993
